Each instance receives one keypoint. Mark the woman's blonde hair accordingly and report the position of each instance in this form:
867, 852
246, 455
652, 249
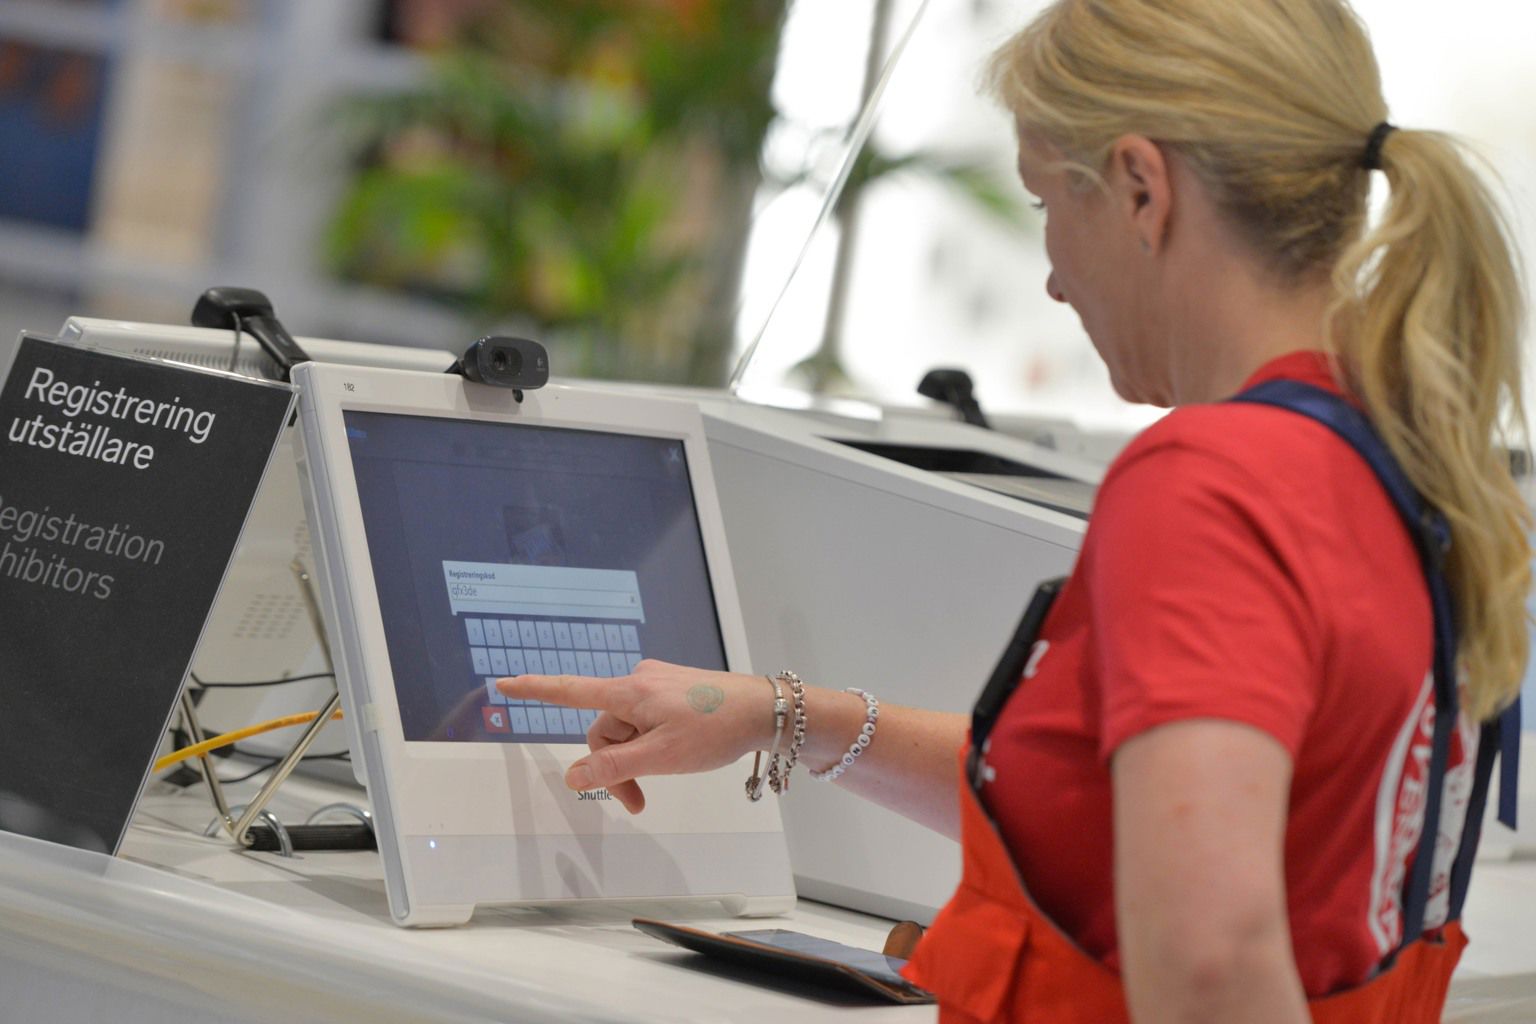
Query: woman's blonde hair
1272, 102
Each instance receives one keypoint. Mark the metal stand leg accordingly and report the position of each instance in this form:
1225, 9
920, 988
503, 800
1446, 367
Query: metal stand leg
239, 829
280, 774
284, 840
307, 581
195, 731
350, 810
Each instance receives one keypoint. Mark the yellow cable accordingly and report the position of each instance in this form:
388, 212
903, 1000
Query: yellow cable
199, 749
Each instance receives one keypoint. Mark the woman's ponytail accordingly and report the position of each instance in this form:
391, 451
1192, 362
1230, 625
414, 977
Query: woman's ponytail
1428, 326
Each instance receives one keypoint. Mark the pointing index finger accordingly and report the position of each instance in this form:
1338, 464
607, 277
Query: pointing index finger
567, 691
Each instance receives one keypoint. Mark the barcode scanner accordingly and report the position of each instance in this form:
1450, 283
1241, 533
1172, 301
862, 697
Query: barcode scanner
954, 388
248, 310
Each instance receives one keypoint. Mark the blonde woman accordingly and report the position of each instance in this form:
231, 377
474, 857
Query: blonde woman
1205, 799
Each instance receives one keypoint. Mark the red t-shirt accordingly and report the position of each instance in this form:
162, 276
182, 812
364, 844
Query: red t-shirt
1242, 563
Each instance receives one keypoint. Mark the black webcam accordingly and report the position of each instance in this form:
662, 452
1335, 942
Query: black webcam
516, 363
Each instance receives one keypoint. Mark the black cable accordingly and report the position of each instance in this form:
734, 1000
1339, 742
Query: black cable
273, 763
341, 755
259, 682
348, 836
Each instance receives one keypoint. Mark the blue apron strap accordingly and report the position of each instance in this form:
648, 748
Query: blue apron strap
1472, 831
1431, 536
1509, 765
1416, 887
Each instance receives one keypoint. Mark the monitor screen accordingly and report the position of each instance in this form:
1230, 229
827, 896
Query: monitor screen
501, 548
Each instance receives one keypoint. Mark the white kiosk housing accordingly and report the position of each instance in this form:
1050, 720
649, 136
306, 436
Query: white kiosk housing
857, 568
855, 564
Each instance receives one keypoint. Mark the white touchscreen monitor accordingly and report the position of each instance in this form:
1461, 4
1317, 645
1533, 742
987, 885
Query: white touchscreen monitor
500, 551
463, 536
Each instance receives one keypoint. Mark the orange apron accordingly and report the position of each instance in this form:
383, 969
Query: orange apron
992, 955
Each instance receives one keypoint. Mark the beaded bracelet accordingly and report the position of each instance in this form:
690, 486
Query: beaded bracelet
780, 715
860, 743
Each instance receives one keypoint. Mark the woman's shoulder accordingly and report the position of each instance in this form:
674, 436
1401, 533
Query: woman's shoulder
1248, 439
1244, 438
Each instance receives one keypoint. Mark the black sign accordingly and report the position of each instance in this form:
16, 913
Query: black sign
124, 484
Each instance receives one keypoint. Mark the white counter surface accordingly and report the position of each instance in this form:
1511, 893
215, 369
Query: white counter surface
180, 927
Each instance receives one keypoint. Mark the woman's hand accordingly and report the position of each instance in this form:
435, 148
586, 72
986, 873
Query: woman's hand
661, 720
667, 720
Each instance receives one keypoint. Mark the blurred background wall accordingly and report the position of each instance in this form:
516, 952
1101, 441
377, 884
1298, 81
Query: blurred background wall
629, 180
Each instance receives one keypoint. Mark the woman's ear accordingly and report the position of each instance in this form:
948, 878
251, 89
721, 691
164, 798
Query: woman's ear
1142, 187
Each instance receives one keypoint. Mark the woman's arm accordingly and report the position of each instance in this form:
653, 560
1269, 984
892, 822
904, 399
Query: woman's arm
667, 719
1199, 820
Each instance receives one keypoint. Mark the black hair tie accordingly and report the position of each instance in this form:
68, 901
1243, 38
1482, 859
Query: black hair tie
1372, 159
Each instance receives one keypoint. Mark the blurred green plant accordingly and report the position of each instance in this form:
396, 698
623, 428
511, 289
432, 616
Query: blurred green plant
588, 165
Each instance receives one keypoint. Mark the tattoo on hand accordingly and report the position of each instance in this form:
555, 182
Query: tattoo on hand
704, 698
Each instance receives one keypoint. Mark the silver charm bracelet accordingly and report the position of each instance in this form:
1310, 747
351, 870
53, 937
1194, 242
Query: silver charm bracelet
780, 716
778, 770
